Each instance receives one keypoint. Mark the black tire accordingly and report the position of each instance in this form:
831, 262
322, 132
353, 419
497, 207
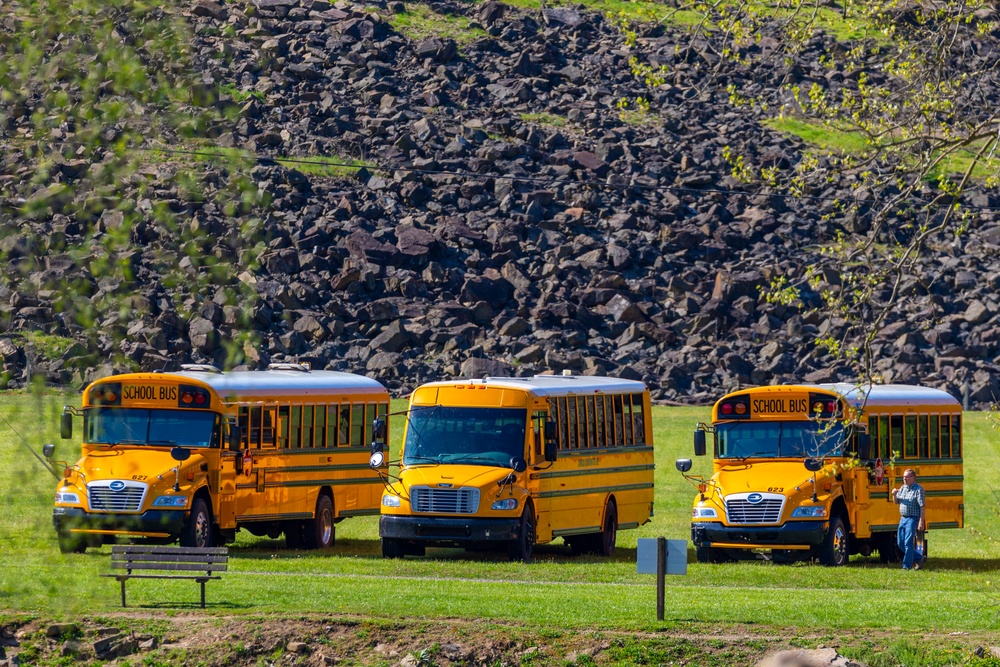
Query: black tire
836, 547
605, 542
320, 532
197, 531
522, 548
704, 554
392, 547
72, 544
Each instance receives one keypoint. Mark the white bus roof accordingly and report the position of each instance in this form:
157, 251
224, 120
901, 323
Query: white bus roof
878, 395
284, 383
555, 385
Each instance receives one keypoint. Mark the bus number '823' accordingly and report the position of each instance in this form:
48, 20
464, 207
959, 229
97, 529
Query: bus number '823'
775, 489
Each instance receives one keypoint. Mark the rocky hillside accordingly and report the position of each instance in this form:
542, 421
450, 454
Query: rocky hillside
521, 218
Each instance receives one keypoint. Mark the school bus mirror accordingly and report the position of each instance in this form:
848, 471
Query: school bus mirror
683, 465
377, 460
378, 430
66, 426
813, 465
377, 446
180, 453
864, 446
699, 443
518, 464
550, 450
235, 437
48, 450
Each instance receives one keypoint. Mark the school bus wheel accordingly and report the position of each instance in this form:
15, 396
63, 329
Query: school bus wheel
522, 548
835, 549
71, 544
197, 530
320, 532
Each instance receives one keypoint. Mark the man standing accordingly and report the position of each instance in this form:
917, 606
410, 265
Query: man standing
910, 498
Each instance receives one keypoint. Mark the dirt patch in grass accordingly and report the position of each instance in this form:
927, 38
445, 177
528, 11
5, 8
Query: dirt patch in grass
185, 638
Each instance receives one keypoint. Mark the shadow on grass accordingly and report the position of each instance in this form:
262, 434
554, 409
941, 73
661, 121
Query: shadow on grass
191, 605
372, 550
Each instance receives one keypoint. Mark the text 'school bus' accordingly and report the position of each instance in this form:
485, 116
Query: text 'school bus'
198, 454
514, 462
785, 476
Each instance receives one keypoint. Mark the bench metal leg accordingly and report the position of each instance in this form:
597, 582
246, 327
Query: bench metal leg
123, 591
203, 595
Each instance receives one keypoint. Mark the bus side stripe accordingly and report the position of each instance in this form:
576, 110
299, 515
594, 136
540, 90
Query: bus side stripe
591, 471
595, 489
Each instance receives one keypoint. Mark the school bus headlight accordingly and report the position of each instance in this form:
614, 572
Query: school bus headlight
505, 504
390, 501
704, 513
63, 498
170, 501
809, 512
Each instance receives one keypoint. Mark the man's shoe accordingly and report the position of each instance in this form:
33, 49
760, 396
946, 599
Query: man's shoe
917, 566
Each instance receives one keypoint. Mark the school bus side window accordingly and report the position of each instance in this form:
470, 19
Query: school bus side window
320, 426
331, 426
243, 419
923, 441
602, 434
591, 421
934, 434
554, 416
629, 437
896, 433
910, 435
357, 425
573, 442
956, 436
283, 423
945, 436
563, 423
639, 418
344, 434
267, 429
308, 417
295, 422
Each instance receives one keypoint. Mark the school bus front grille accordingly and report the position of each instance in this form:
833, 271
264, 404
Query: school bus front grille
104, 498
740, 510
444, 501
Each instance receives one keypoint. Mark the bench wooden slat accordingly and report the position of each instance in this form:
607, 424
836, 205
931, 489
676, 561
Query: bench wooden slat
168, 558
143, 549
170, 567
121, 577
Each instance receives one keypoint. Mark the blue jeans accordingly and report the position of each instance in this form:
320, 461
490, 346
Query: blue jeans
906, 539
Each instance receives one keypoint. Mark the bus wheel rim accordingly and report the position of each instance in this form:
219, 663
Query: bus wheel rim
326, 520
840, 545
201, 529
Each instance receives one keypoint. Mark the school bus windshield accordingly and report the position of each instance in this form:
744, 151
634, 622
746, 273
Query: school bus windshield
140, 426
776, 439
474, 436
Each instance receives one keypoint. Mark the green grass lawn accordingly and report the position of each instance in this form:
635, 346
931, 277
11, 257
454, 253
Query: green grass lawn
956, 592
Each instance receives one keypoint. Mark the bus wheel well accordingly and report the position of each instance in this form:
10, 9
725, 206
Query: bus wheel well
839, 508
611, 501
204, 494
328, 492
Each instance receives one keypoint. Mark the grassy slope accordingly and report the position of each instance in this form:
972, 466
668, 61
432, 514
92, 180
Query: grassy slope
956, 593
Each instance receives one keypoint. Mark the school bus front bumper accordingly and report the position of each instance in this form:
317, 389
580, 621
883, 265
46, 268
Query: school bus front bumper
791, 535
448, 531
151, 523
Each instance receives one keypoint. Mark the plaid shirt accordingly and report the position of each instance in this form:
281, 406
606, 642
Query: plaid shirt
910, 499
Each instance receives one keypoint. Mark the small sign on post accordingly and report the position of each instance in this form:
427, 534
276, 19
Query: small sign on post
660, 556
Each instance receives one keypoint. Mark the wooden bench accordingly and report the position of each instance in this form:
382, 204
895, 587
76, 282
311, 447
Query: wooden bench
185, 562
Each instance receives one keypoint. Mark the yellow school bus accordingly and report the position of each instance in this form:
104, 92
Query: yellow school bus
806, 471
198, 454
514, 462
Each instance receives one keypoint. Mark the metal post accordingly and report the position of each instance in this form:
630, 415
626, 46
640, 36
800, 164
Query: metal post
661, 572
123, 591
